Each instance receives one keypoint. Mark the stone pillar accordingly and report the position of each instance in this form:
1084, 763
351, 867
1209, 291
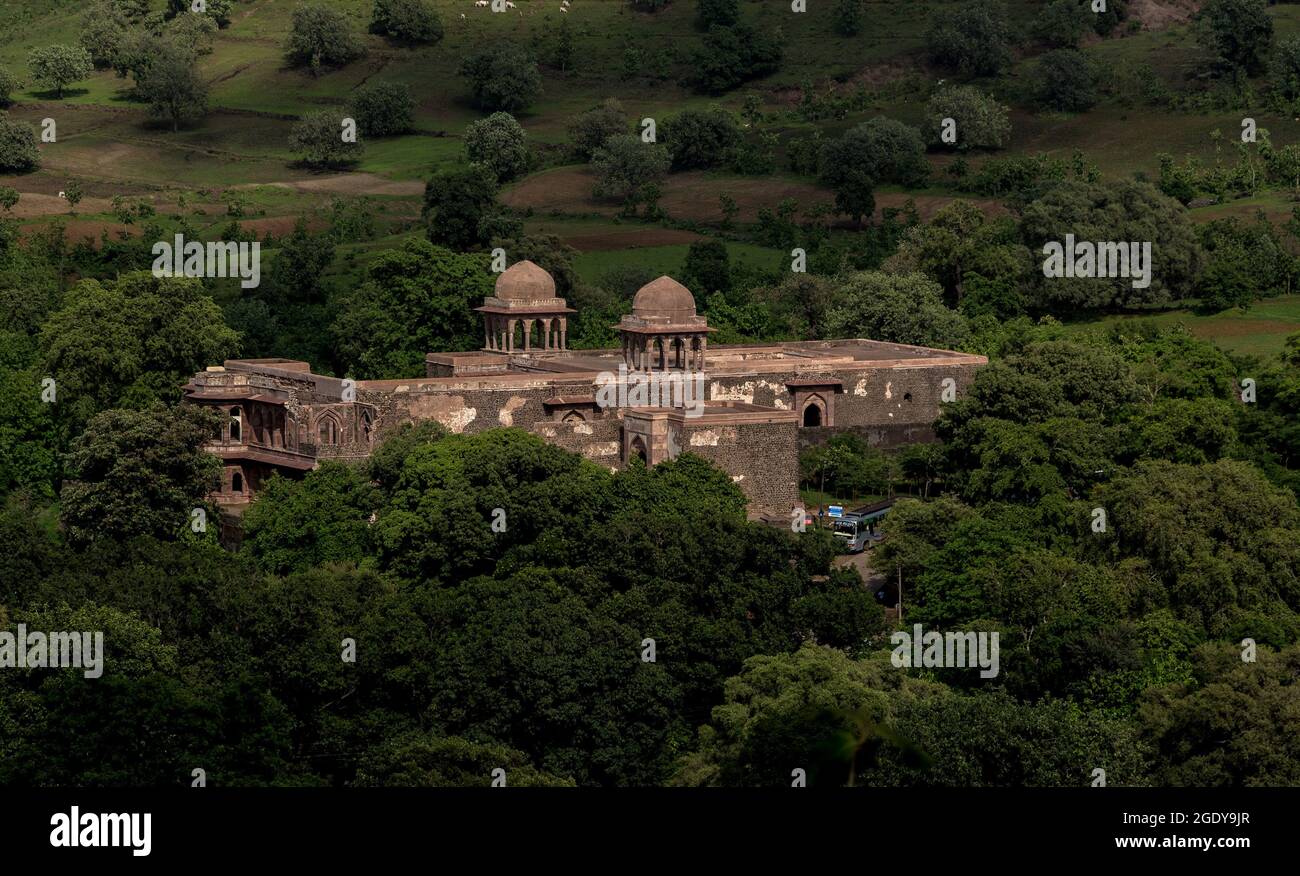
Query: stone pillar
546, 334
564, 333
528, 334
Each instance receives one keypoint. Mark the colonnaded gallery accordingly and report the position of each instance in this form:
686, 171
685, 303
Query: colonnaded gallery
747, 408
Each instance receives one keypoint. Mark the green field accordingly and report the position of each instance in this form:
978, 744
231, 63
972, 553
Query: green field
1260, 331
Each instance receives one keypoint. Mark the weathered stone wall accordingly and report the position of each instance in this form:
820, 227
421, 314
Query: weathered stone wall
598, 439
881, 397
461, 409
763, 459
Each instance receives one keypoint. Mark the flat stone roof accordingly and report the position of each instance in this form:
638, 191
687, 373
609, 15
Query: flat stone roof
541, 367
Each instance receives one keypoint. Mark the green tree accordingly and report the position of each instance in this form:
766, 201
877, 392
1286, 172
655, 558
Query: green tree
1066, 81
904, 309
982, 122
173, 87
1284, 68
504, 77
18, 151
57, 67
323, 518
709, 265
321, 37
975, 39
130, 341
414, 300
850, 15
414, 22
730, 56
301, 260
593, 128
625, 166
1131, 211
217, 10
498, 143
104, 27
701, 138
1237, 34
1062, 23
8, 85
139, 473
1233, 725
321, 140
383, 109
461, 211
421, 760
878, 151
720, 12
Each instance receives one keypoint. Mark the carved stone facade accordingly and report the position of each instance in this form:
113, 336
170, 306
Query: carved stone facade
757, 404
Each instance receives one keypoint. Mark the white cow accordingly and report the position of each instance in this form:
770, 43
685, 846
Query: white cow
480, 2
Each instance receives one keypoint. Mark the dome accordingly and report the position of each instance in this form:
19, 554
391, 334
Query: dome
525, 281
664, 298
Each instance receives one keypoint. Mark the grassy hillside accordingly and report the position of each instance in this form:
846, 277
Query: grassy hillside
106, 144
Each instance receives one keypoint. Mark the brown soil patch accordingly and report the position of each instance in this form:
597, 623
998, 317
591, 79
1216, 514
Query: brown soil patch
79, 231
33, 204
279, 226
1241, 327
1162, 14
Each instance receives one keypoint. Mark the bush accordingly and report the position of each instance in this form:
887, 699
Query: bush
318, 139
407, 21
708, 265
982, 122
504, 77
1062, 23
384, 109
1238, 34
18, 152
877, 151
701, 138
8, 85
499, 143
625, 166
730, 56
1066, 81
849, 17
321, 37
1284, 69
592, 129
720, 12
975, 39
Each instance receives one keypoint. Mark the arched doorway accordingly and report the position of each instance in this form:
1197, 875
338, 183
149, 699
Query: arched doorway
236, 424
237, 483
637, 449
812, 415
